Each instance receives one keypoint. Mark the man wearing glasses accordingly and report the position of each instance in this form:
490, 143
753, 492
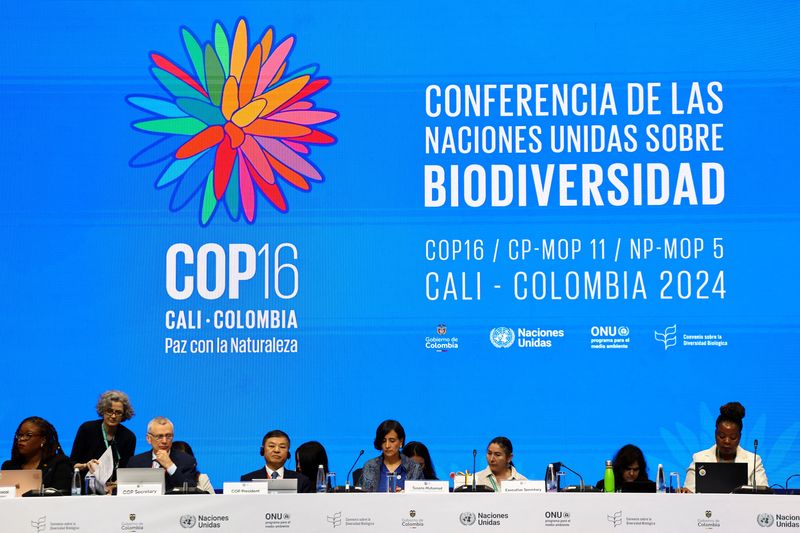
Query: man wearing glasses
275, 448
180, 467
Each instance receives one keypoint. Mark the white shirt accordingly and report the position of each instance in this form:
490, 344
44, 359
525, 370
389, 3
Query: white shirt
279, 471
486, 477
171, 470
742, 456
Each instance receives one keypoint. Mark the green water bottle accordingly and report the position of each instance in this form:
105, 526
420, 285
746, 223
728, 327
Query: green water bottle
608, 479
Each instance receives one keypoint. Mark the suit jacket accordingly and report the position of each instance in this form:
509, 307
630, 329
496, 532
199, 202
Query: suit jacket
304, 484
372, 470
742, 456
56, 472
185, 463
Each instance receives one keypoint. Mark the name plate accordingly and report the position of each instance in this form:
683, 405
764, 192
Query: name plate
139, 489
8, 492
427, 487
245, 487
523, 485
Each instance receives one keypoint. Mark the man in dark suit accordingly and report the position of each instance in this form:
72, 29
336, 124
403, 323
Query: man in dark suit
180, 467
275, 450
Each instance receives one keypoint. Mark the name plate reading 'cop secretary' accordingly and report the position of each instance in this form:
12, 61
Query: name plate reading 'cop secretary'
427, 487
523, 485
140, 489
8, 492
245, 487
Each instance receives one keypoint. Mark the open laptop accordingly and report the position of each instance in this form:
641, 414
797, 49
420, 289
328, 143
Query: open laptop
638, 486
23, 480
719, 478
139, 476
279, 486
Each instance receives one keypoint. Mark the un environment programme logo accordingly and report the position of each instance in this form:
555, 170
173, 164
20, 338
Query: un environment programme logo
502, 337
236, 124
669, 337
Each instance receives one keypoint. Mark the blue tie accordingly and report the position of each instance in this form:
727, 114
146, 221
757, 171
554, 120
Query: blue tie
274, 475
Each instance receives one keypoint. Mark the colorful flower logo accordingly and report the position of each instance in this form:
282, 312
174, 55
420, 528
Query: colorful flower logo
234, 127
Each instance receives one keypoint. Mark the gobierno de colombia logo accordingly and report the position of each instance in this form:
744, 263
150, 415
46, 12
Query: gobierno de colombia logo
234, 124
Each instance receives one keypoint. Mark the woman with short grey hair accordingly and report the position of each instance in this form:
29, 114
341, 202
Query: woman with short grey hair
96, 436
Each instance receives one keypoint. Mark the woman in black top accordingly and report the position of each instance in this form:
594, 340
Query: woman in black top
95, 436
36, 446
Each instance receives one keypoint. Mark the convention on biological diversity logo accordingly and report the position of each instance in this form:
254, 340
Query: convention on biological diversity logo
233, 124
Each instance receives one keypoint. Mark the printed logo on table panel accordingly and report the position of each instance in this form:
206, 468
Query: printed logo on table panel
235, 125
765, 520
501, 337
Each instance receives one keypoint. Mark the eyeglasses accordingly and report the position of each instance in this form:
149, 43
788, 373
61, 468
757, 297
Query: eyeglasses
114, 412
26, 436
166, 436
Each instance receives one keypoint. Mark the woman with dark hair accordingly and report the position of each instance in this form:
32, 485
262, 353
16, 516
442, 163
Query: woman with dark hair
203, 482
629, 465
726, 449
499, 455
95, 436
36, 446
389, 439
418, 452
308, 456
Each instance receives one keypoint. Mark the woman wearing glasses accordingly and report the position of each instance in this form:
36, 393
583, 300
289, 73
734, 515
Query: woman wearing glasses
36, 447
95, 436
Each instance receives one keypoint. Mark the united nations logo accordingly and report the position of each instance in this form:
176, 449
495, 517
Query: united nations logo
466, 519
187, 521
501, 337
765, 520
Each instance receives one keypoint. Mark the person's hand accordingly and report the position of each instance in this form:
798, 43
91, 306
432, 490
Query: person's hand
91, 466
110, 486
684, 490
162, 456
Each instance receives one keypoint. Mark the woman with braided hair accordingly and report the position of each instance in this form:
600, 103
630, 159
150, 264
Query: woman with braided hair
36, 446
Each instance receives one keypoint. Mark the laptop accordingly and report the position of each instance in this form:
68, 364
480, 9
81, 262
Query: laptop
23, 480
638, 486
719, 478
279, 486
139, 476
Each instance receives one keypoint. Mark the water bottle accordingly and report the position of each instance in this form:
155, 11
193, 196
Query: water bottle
76, 483
90, 484
551, 483
608, 479
332, 481
321, 486
661, 482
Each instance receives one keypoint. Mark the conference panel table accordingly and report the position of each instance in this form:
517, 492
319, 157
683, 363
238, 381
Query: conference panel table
385, 513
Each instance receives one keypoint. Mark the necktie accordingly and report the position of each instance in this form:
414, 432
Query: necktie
274, 475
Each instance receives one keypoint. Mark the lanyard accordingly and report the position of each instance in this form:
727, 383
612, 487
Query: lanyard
105, 439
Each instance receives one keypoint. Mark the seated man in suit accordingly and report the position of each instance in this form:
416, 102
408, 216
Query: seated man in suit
275, 450
180, 467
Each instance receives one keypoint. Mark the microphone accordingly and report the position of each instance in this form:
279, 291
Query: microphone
474, 469
786, 485
755, 451
347, 479
580, 477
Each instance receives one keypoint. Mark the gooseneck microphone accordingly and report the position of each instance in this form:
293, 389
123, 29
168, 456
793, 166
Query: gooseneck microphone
580, 477
474, 469
347, 479
755, 456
